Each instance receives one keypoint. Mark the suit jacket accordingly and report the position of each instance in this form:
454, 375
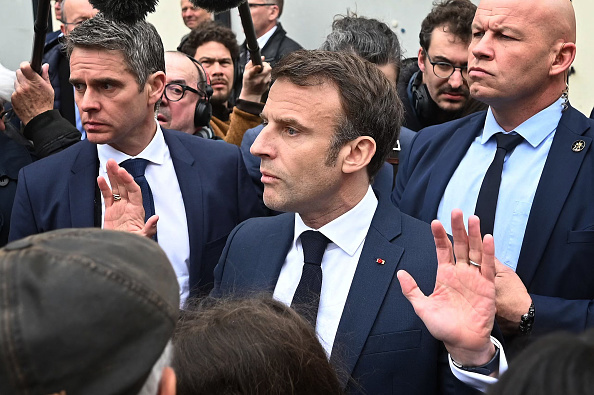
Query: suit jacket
555, 261
380, 342
59, 75
277, 46
13, 157
60, 192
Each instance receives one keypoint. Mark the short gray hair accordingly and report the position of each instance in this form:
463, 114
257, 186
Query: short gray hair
139, 42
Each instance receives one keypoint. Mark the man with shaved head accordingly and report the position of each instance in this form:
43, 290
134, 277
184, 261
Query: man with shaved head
525, 166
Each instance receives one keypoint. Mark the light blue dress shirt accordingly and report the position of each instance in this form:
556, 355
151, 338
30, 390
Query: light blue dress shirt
519, 180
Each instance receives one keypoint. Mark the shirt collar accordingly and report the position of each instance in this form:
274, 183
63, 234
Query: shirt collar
154, 152
349, 230
534, 130
266, 36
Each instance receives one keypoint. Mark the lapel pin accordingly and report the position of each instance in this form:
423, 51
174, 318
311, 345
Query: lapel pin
578, 146
380, 261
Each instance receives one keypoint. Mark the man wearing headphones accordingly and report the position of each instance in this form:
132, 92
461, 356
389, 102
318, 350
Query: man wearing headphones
215, 47
434, 88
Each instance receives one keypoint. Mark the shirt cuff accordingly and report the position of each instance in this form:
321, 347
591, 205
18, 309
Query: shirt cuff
476, 380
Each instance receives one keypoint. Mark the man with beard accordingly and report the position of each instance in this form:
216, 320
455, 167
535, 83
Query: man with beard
215, 47
434, 89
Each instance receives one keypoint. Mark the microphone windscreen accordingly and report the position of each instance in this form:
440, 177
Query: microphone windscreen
129, 11
217, 5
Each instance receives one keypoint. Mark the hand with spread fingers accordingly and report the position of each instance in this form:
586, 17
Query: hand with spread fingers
461, 310
123, 203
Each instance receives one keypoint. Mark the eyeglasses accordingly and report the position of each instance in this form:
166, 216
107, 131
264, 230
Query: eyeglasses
175, 92
253, 5
445, 69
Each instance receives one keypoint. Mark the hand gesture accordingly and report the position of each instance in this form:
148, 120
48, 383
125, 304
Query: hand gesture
123, 203
461, 310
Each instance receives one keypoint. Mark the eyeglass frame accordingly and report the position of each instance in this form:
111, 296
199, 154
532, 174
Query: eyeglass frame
260, 4
184, 89
463, 69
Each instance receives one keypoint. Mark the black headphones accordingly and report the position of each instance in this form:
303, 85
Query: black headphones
203, 111
422, 103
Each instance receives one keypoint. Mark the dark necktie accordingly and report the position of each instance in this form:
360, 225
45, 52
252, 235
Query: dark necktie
486, 204
136, 168
307, 296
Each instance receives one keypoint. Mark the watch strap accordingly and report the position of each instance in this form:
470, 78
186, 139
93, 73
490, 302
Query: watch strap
486, 369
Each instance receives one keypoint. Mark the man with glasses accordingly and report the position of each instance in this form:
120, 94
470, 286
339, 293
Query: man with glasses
434, 89
272, 38
215, 47
29, 101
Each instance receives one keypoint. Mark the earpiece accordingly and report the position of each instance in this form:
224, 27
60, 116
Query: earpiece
203, 111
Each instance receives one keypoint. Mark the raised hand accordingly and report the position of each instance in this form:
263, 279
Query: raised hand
461, 310
123, 203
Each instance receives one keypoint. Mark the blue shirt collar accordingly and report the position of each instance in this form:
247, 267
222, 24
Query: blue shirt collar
534, 130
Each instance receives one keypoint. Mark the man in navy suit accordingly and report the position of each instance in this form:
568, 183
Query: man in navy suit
518, 63
200, 188
319, 153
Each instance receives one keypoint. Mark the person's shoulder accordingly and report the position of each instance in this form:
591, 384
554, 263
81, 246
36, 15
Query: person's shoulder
446, 130
192, 142
62, 161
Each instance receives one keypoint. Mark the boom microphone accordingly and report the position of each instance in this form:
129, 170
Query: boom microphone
128, 11
217, 5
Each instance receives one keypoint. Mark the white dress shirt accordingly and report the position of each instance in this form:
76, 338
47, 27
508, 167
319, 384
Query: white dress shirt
347, 235
265, 37
172, 228
519, 179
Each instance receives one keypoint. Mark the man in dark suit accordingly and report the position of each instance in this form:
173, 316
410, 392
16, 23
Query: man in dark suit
519, 59
272, 38
200, 188
319, 154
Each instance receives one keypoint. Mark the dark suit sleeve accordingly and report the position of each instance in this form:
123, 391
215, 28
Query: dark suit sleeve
22, 220
51, 133
220, 288
553, 314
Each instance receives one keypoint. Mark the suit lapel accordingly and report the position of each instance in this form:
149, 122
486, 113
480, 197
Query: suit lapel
273, 251
561, 168
448, 161
81, 188
370, 285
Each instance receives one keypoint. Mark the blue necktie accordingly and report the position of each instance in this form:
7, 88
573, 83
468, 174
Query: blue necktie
486, 203
136, 168
307, 296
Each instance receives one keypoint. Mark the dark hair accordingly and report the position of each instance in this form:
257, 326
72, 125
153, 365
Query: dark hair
139, 42
371, 39
560, 363
249, 346
370, 104
211, 31
454, 15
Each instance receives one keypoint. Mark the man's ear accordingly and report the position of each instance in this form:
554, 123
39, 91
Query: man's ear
564, 55
273, 13
168, 382
63, 29
357, 154
155, 85
421, 60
